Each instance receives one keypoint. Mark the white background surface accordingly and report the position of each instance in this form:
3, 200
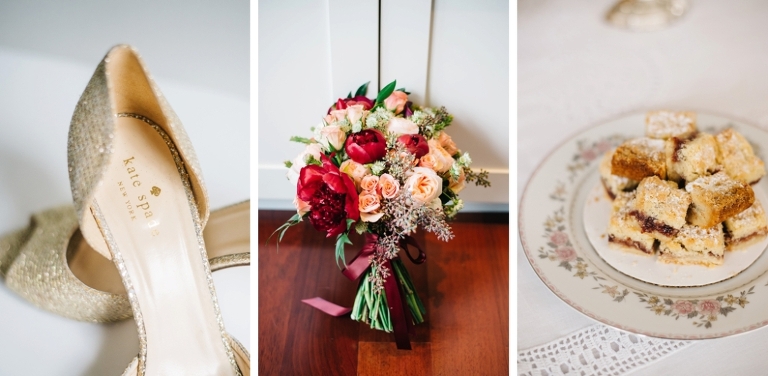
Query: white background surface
198, 55
313, 52
574, 70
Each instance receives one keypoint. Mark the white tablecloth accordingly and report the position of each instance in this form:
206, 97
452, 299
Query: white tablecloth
575, 70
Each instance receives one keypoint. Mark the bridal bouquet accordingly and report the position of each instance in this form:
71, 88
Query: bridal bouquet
382, 168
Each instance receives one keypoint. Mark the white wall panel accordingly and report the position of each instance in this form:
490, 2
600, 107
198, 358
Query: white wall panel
469, 75
295, 84
450, 53
405, 27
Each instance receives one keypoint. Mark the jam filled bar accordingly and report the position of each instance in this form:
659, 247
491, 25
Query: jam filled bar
665, 124
613, 184
660, 207
746, 228
716, 198
639, 158
625, 233
694, 245
737, 157
691, 158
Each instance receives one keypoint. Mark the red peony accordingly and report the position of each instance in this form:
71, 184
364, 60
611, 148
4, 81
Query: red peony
415, 143
366, 146
331, 195
343, 103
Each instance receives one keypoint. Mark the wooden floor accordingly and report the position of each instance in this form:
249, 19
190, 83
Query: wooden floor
463, 283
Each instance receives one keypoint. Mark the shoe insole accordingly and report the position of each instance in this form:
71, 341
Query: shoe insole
144, 212
227, 233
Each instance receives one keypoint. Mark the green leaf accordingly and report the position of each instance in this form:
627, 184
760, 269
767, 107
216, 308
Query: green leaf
311, 160
349, 95
291, 222
349, 223
340, 241
301, 140
288, 164
386, 92
363, 89
403, 90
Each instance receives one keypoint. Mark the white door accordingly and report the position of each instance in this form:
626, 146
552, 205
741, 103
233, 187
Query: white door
451, 53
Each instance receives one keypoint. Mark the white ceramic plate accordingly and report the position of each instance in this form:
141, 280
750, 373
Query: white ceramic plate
596, 214
552, 233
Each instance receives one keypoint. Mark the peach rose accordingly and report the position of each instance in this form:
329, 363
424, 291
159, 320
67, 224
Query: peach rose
369, 183
437, 159
355, 170
302, 207
447, 143
313, 149
424, 185
396, 101
329, 119
388, 185
457, 185
369, 206
398, 126
333, 135
355, 113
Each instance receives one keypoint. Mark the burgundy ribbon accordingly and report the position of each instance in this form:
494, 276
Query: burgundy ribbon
399, 313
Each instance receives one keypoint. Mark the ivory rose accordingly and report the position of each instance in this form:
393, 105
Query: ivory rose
447, 143
355, 113
388, 185
369, 206
369, 183
424, 185
338, 115
300, 161
355, 170
396, 101
333, 135
398, 126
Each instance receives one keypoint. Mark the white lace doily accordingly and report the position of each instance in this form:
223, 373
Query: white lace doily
595, 350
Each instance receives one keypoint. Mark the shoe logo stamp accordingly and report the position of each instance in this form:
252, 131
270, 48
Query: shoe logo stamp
142, 207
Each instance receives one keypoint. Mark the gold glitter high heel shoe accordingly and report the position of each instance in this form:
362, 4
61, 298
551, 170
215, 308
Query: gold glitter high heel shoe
50, 265
141, 201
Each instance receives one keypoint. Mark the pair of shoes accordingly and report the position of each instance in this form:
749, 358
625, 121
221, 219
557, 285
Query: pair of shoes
139, 201
50, 265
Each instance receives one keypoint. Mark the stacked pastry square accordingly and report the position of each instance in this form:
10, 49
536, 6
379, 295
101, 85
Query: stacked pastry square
684, 193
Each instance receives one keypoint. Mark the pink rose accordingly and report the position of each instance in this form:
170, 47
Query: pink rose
396, 101
603, 146
355, 113
369, 206
588, 155
338, 115
302, 207
710, 306
424, 185
684, 307
565, 254
388, 185
447, 143
355, 170
559, 238
369, 183
398, 126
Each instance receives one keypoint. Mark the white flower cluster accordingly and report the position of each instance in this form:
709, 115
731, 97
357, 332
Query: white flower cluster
378, 119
